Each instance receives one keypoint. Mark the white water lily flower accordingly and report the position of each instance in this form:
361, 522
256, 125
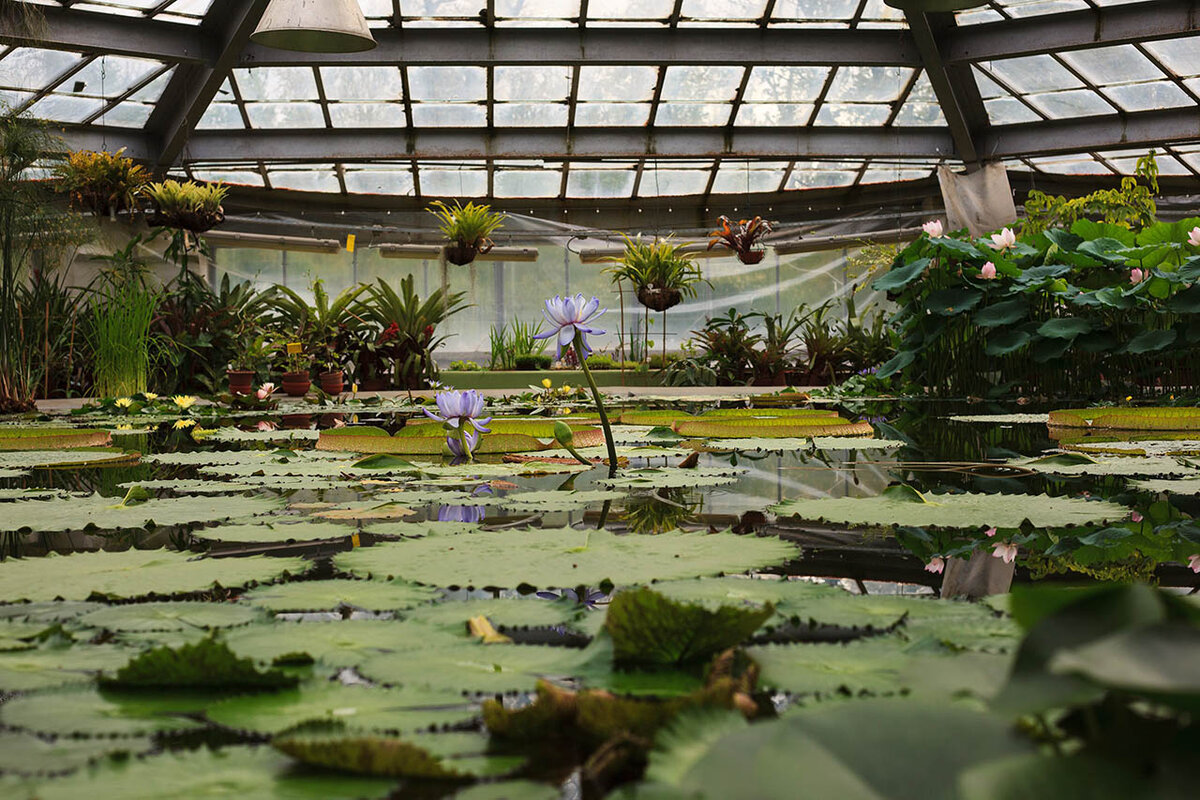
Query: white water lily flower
1004, 239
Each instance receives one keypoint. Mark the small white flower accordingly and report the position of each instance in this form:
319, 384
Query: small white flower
933, 228
1004, 239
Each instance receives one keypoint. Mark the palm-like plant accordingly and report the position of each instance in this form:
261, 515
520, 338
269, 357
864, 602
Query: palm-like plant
468, 227
326, 327
188, 206
658, 270
408, 328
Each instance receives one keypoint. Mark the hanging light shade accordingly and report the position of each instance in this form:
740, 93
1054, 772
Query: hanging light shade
314, 26
932, 6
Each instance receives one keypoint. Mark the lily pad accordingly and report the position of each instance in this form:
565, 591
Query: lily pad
244, 772
476, 668
781, 428
359, 708
563, 557
1001, 419
52, 665
342, 643
281, 436
1135, 419
108, 513
954, 510
1150, 466
672, 478
26, 754
1189, 486
170, 616
277, 531
133, 573
46, 438
57, 459
88, 712
454, 755
328, 595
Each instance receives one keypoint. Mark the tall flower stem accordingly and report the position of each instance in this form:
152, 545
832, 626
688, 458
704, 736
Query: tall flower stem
587, 374
462, 438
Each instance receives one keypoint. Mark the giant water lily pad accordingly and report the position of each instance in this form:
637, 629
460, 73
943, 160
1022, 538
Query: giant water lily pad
328, 595
779, 427
234, 772
132, 573
476, 668
59, 459
108, 513
953, 510
46, 438
169, 616
429, 439
342, 643
359, 708
1080, 464
1130, 419
1002, 419
55, 664
672, 478
88, 712
563, 557
1189, 486
280, 436
277, 530
26, 754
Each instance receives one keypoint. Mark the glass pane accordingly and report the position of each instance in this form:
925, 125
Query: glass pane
1039, 73
126, 115
630, 9
585, 182
1009, 110
693, 114
748, 178
619, 114
377, 181
856, 114
285, 115
276, 83
866, 84
436, 182
1148, 96
362, 83
233, 176
774, 114
702, 83
1181, 56
221, 116
532, 83
1119, 64
672, 182
447, 83
107, 76
723, 9
320, 179
626, 84
527, 183
815, 9
516, 115
65, 108
785, 84
1081, 103
33, 69
367, 115
449, 115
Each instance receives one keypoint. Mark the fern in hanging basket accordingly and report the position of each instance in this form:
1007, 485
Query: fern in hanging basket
743, 237
661, 274
468, 228
100, 182
189, 206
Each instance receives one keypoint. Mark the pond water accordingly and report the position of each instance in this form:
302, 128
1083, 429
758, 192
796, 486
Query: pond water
354, 587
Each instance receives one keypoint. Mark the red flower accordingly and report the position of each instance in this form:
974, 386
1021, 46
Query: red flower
392, 332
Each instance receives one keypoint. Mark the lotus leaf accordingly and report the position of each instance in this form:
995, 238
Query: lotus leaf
476, 668
564, 557
1151, 466
1188, 486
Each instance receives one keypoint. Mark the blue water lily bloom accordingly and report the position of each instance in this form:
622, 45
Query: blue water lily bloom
569, 316
457, 408
462, 443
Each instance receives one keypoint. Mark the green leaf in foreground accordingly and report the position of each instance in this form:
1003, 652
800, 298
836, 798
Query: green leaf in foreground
107, 513
234, 772
427, 755
328, 595
954, 510
208, 664
169, 616
133, 573
563, 557
26, 754
649, 628
87, 712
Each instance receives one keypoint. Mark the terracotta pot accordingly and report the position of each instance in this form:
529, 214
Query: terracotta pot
373, 385
296, 384
332, 382
241, 381
293, 421
461, 254
751, 256
657, 299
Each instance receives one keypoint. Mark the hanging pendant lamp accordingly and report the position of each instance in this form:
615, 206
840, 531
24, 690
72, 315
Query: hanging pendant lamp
933, 6
314, 26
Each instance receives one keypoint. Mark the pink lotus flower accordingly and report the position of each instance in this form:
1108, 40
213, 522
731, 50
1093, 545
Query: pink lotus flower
990, 532
933, 228
1004, 239
265, 391
1194, 236
1194, 562
265, 425
1006, 552
988, 271
1136, 275
1135, 516
937, 564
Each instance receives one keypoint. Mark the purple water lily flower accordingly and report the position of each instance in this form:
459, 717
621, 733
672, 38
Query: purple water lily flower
457, 408
461, 513
570, 315
456, 443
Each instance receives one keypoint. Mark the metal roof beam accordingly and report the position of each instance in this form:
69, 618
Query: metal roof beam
1110, 132
111, 34
612, 46
193, 86
580, 144
955, 86
1075, 30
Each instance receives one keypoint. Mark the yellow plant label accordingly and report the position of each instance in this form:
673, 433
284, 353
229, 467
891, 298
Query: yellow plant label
295, 348
350, 243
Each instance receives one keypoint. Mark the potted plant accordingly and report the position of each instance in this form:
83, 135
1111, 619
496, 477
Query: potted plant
189, 206
296, 379
659, 272
744, 238
468, 228
327, 328
404, 335
102, 183
252, 353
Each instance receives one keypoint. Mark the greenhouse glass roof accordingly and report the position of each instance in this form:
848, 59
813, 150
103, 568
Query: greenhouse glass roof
586, 100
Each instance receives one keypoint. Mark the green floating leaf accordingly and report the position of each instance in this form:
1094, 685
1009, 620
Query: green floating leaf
783, 427
283, 435
56, 664
87, 712
286, 530
672, 478
474, 667
955, 511
133, 573
436, 755
47, 438
900, 276
1002, 419
1045, 777
206, 665
648, 628
1118, 465
106, 513
342, 643
1132, 419
235, 772
25, 754
329, 595
359, 708
563, 557
1003, 313
1190, 486
170, 616
98, 457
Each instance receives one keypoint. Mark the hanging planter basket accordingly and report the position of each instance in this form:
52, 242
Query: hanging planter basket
461, 253
194, 221
750, 257
658, 299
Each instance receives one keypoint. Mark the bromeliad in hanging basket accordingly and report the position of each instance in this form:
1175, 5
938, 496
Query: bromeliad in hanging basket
743, 237
468, 228
662, 274
188, 206
104, 183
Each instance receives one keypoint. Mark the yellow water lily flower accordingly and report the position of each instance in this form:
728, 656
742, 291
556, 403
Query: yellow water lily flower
547, 383
150, 395
125, 427
567, 389
181, 424
184, 401
566, 411
124, 402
